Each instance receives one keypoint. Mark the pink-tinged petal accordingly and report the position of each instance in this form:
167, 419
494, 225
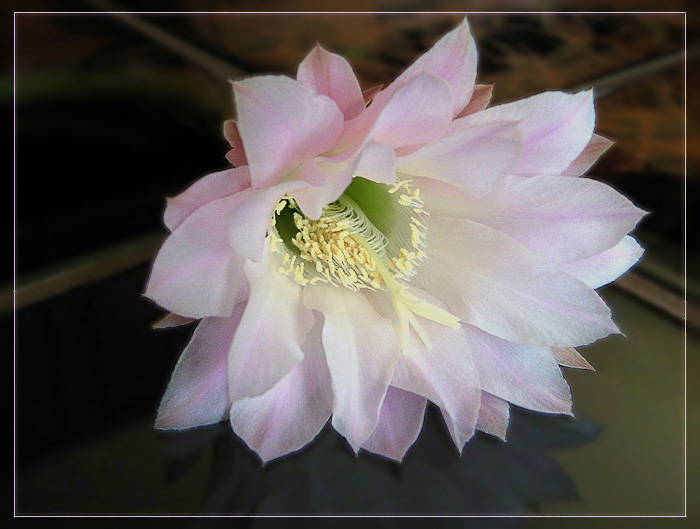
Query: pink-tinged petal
594, 150
607, 266
361, 349
417, 113
249, 217
369, 94
453, 59
203, 191
331, 75
400, 422
526, 375
376, 162
570, 357
172, 320
282, 123
559, 219
474, 159
267, 344
494, 415
555, 126
290, 414
237, 153
197, 273
198, 390
494, 283
479, 101
445, 375
325, 182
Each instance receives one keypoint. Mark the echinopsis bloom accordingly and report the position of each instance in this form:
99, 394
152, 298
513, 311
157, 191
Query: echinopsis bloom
362, 258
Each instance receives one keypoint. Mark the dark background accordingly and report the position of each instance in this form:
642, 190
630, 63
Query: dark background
109, 122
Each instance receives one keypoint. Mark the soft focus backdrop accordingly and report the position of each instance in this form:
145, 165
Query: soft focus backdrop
114, 113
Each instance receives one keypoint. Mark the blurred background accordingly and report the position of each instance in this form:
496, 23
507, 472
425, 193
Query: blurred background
114, 112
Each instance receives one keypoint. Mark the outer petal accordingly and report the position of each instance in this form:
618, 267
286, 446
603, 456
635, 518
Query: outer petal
607, 266
293, 412
197, 393
479, 101
361, 349
494, 283
267, 344
494, 415
282, 123
452, 59
331, 75
196, 273
446, 375
473, 159
594, 150
570, 357
203, 191
556, 127
525, 375
400, 422
559, 219
237, 153
172, 320
417, 113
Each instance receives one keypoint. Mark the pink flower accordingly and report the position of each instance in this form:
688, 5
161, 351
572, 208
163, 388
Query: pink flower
361, 260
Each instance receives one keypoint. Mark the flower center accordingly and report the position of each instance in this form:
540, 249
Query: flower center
371, 238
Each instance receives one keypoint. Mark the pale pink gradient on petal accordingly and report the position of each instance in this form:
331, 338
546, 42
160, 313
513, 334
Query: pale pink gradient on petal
237, 153
197, 276
474, 159
570, 357
206, 189
555, 126
445, 375
283, 123
494, 415
594, 150
362, 349
400, 423
479, 101
417, 113
197, 393
267, 344
496, 284
526, 375
290, 414
331, 75
607, 266
559, 219
452, 59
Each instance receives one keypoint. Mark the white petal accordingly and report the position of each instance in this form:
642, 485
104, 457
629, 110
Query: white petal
446, 375
361, 349
494, 415
205, 190
197, 393
494, 283
400, 422
555, 126
607, 266
473, 159
559, 219
290, 414
274, 325
197, 273
526, 375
